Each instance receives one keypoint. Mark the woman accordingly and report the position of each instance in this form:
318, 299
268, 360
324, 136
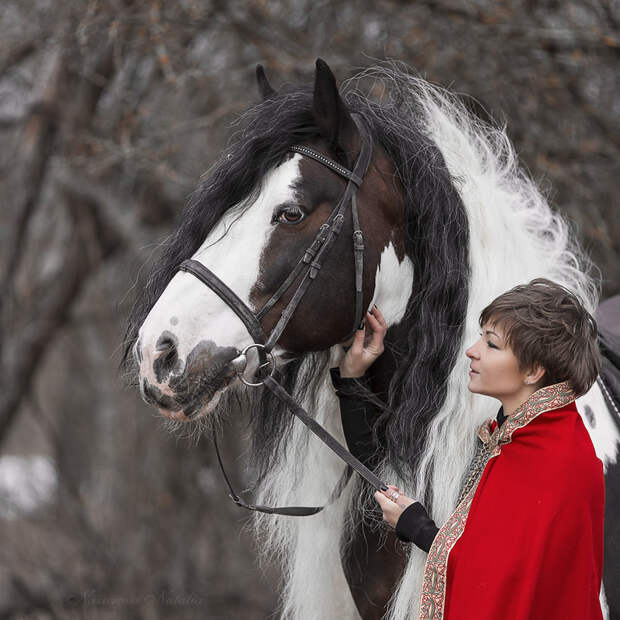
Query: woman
525, 540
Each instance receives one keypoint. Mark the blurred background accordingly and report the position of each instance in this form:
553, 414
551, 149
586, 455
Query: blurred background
110, 110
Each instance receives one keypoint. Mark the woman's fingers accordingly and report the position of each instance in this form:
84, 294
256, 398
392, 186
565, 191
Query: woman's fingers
381, 500
391, 511
375, 318
377, 314
357, 345
391, 488
378, 334
366, 346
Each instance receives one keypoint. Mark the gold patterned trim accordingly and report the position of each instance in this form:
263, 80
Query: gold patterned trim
432, 598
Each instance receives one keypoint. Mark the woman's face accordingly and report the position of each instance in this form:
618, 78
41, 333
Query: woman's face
494, 369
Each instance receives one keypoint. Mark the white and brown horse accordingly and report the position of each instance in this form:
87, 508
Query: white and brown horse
450, 221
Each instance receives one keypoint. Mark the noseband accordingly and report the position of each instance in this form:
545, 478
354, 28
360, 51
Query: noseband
311, 262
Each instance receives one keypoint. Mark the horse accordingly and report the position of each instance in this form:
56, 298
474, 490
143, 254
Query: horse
450, 220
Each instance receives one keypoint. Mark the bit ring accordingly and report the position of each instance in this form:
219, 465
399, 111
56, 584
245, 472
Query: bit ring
271, 360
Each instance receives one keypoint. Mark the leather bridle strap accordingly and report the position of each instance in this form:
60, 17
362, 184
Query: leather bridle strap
330, 230
334, 445
206, 276
326, 236
288, 511
330, 163
322, 434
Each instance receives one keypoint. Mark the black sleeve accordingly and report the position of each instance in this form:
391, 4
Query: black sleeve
358, 417
414, 525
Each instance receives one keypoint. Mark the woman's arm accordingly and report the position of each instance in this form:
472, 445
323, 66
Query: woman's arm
414, 525
358, 417
410, 519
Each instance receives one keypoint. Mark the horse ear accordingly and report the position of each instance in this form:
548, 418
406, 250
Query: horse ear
264, 87
330, 113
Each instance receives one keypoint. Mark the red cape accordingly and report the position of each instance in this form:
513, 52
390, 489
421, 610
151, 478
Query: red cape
532, 547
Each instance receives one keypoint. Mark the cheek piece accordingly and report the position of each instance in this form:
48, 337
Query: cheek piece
311, 263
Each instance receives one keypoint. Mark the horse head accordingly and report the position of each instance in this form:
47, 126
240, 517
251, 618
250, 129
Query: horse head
250, 223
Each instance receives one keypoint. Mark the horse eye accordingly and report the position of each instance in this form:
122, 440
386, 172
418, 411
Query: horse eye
290, 215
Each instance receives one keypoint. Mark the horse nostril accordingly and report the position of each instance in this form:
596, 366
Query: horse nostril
166, 345
166, 342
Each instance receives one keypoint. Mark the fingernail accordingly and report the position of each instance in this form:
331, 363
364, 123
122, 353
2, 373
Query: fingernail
384, 487
361, 325
375, 306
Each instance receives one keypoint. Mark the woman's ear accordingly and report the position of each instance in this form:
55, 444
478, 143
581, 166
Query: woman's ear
534, 375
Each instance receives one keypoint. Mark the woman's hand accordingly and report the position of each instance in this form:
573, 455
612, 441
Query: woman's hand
392, 509
360, 356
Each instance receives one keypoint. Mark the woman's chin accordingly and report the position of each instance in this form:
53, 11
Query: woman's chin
474, 388
473, 385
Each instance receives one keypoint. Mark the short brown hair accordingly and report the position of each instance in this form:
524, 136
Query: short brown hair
544, 323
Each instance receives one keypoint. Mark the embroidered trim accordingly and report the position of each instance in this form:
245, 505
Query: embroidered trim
432, 598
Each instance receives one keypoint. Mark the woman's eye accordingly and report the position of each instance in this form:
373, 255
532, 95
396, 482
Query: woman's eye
491, 345
290, 215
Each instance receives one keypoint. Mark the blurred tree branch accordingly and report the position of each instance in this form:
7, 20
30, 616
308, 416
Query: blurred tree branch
38, 137
16, 54
27, 347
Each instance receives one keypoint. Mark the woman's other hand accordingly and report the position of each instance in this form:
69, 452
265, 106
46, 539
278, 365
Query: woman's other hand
392, 509
364, 351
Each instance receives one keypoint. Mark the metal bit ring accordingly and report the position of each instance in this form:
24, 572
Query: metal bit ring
271, 360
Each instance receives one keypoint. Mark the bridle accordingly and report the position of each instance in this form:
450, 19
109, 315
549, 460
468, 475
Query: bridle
311, 262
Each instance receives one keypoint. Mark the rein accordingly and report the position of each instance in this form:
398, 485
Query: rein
311, 262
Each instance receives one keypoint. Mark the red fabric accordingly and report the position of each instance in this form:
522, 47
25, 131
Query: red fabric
532, 548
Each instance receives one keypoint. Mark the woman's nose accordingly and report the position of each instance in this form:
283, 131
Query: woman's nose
470, 352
